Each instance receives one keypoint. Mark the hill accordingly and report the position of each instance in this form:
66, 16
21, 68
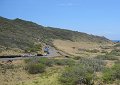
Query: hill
21, 34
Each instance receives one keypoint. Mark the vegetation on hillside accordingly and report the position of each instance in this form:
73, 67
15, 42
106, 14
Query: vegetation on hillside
83, 72
76, 70
112, 74
23, 34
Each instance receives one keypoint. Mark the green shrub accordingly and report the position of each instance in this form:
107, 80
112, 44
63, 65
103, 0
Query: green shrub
108, 76
117, 45
49, 62
116, 69
117, 62
77, 57
106, 57
103, 51
68, 62
115, 52
77, 75
95, 64
83, 72
46, 61
38, 65
111, 74
35, 68
43, 60
94, 51
27, 60
34, 48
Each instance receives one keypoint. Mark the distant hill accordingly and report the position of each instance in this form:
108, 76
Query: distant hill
23, 34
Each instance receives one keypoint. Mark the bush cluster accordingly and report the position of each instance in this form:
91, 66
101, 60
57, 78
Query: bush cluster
77, 57
103, 51
93, 51
111, 74
46, 61
106, 57
77, 75
34, 48
35, 68
82, 72
117, 45
34, 65
115, 52
95, 64
62, 62
117, 62
38, 65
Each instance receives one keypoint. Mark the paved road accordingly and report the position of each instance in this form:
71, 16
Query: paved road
52, 53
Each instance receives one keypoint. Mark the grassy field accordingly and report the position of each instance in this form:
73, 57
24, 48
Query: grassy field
15, 74
11, 52
50, 77
81, 48
101, 69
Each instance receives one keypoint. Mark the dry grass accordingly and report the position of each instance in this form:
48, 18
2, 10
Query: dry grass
11, 52
50, 77
110, 63
72, 47
18, 76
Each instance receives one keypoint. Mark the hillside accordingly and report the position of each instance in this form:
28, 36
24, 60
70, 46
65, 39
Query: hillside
23, 34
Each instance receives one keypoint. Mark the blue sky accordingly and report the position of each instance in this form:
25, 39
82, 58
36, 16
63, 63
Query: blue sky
99, 17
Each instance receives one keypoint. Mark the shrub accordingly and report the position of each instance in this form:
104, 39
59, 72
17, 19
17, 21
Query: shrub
111, 74
34, 48
115, 52
31, 60
116, 69
27, 60
117, 62
106, 57
49, 62
92, 51
43, 60
35, 68
117, 45
46, 61
95, 64
68, 62
77, 57
103, 51
82, 72
77, 75
108, 76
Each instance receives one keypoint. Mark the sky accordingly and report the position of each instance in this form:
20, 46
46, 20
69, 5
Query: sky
98, 17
